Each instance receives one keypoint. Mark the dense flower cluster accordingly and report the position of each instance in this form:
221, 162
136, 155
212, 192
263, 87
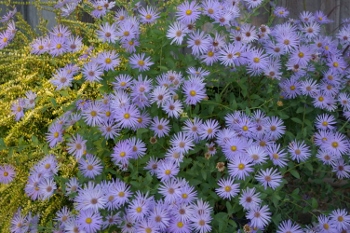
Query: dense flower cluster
252, 144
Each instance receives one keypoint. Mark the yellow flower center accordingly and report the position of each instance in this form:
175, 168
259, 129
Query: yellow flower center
6, 174
340, 218
90, 167
256, 59
167, 172
148, 230
301, 54
193, 93
227, 188
56, 134
122, 154
41, 47
126, 33
108, 60
188, 12
138, 209
325, 123
148, 16
320, 98
121, 194
58, 46
335, 144
335, 64
184, 196
126, 116
4, 39
233, 148
93, 113
88, 220
179, 224
326, 226
245, 128
292, 87
210, 53
141, 63
241, 166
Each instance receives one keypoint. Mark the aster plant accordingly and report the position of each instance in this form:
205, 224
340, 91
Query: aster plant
182, 117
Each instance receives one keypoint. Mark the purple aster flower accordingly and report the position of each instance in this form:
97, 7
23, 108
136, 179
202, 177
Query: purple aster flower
57, 46
325, 225
192, 128
201, 207
269, 177
177, 32
325, 122
122, 152
288, 226
77, 146
17, 108
39, 45
138, 147
257, 60
148, 15
72, 186
32, 187
306, 17
257, 154
341, 169
249, 199
140, 62
160, 95
108, 60
74, 44
231, 55
233, 147
91, 197
321, 17
140, 206
152, 165
227, 189
122, 82
92, 71
182, 211
160, 216
7, 174
253, 3
180, 226
173, 108
160, 127
275, 127
281, 12
109, 130
47, 186
127, 117
19, 222
209, 129
299, 151
240, 167
278, 157
9, 15
188, 12
63, 216
170, 189
182, 143
172, 154
107, 33
341, 218
93, 113
54, 136
308, 87
167, 169
259, 216
200, 222
187, 192
48, 166
62, 79
199, 42
194, 90
336, 144
89, 221
90, 166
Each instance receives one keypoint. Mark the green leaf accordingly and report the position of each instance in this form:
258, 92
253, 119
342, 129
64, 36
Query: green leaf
314, 203
297, 120
295, 173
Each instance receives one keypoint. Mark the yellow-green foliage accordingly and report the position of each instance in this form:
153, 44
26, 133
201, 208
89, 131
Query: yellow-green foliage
23, 143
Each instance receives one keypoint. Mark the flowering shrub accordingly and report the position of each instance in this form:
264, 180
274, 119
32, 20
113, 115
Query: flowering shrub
181, 117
